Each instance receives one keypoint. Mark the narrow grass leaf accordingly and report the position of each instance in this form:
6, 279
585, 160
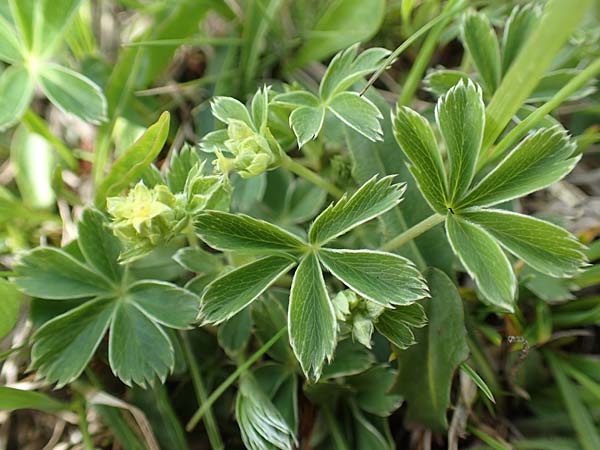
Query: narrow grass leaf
311, 318
372, 199
544, 246
12, 399
229, 294
485, 261
460, 116
415, 138
478, 381
384, 278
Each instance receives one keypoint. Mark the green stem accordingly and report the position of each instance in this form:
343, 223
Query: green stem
413, 232
88, 442
534, 118
212, 428
36, 124
231, 379
311, 176
425, 53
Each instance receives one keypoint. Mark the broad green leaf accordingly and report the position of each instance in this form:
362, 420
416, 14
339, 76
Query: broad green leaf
438, 82
350, 358
581, 419
545, 247
346, 68
226, 108
52, 20
307, 122
51, 273
12, 399
541, 159
16, 92
373, 390
197, 260
63, 346
460, 116
384, 278
235, 333
522, 19
229, 294
139, 349
10, 47
33, 159
479, 38
395, 324
23, 12
416, 139
484, 260
358, 113
73, 93
133, 162
164, 303
238, 232
180, 166
343, 23
425, 370
294, 99
99, 246
10, 304
311, 318
372, 199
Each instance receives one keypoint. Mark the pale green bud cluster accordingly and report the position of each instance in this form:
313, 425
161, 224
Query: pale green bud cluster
356, 316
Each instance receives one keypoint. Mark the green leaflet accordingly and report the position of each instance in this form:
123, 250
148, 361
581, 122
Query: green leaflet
395, 324
523, 18
372, 199
197, 260
16, 91
234, 334
384, 278
460, 116
373, 390
544, 246
484, 260
10, 304
12, 399
63, 346
425, 370
438, 82
350, 358
52, 18
238, 232
10, 47
479, 38
415, 138
232, 292
139, 350
306, 122
135, 160
541, 159
98, 245
180, 166
51, 273
23, 13
358, 113
311, 318
227, 108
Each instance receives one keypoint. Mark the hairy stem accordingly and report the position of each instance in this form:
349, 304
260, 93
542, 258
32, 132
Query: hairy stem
212, 428
311, 176
413, 232
231, 379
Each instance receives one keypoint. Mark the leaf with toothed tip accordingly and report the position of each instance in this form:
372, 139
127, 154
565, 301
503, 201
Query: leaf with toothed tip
359, 113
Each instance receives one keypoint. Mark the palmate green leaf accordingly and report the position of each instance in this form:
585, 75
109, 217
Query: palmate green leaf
544, 246
358, 113
541, 159
372, 199
10, 47
54, 274
227, 108
384, 278
395, 324
139, 349
484, 260
10, 304
479, 38
63, 346
16, 92
425, 370
12, 399
164, 303
416, 139
460, 116
229, 294
311, 318
439, 81
133, 162
73, 93
98, 245
522, 19
241, 233
306, 122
